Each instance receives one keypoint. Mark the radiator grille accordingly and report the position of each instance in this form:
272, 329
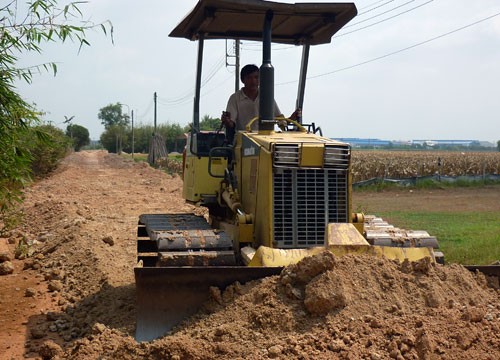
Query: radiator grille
305, 201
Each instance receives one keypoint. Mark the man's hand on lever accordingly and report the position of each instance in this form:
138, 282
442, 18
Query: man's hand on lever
297, 114
226, 119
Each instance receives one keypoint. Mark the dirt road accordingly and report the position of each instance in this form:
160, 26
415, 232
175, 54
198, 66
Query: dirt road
73, 297
83, 222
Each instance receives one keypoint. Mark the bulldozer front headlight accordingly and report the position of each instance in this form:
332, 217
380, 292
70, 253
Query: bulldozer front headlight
286, 155
337, 156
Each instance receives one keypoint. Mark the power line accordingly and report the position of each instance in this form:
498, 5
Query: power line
375, 3
218, 85
147, 111
204, 93
397, 51
380, 14
273, 48
359, 22
190, 93
375, 8
381, 21
246, 45
215, 70
166, 102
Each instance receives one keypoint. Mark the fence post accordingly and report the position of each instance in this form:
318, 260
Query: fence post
439, 169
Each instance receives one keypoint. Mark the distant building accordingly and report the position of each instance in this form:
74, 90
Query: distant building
357, 142
378, 143
445, 142
487, 144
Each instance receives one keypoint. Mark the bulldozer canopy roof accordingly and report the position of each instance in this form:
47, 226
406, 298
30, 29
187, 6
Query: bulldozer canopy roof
300, 23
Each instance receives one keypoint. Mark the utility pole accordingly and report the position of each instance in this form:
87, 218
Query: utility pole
236, 63
157, 146
152, 145
121, 129
237, 69
132, 117
154, 99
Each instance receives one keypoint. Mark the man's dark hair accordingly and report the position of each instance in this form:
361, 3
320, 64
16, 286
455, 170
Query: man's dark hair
247, 70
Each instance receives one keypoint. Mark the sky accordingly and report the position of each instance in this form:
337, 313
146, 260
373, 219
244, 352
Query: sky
400, 70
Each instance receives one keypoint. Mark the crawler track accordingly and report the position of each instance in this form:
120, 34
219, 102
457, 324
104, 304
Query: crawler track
181, 240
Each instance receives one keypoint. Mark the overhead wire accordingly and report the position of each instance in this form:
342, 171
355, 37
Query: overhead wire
274, 48
381, 21
375, 8
218, 85
147, 111
188, 95
397, 51
383, 13
375, 3
359, 22
143, 115
215, 70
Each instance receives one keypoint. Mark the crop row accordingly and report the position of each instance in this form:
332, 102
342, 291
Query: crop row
405, 164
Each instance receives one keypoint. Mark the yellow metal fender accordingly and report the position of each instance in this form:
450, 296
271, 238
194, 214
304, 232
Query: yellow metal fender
269, 257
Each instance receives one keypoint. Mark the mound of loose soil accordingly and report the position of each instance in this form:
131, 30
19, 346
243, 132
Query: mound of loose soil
79, 230
354, 307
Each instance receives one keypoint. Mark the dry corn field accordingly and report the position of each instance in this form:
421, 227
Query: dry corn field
405, 164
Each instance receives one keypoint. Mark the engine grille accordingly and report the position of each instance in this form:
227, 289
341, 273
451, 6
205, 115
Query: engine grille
305, 201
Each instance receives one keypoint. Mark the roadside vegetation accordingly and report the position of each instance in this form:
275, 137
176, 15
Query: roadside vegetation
118, 134
382, 185
30, 148
391, 164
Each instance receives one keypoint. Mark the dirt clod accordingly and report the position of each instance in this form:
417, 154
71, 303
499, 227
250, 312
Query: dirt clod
108, 240
325, 293
50, 350
6, 268
4, 256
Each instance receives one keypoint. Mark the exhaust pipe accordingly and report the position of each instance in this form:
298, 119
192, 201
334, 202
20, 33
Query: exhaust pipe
266, 76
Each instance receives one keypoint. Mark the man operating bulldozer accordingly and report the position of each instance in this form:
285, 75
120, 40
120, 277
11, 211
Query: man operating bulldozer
243, 105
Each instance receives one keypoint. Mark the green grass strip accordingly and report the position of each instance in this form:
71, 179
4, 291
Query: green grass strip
464, 238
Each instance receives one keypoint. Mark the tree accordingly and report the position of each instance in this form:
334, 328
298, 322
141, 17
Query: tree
114, 139
209, 123
498, 145
108, 140
115, 123
16, 117
47, 150
43, 21
111, 115
24, 29
79, 135
172, 133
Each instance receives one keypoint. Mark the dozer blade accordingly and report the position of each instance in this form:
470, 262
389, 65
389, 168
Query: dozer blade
489, 270
168, 295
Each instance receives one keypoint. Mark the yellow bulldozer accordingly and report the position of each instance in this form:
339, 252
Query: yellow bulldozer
273, 196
